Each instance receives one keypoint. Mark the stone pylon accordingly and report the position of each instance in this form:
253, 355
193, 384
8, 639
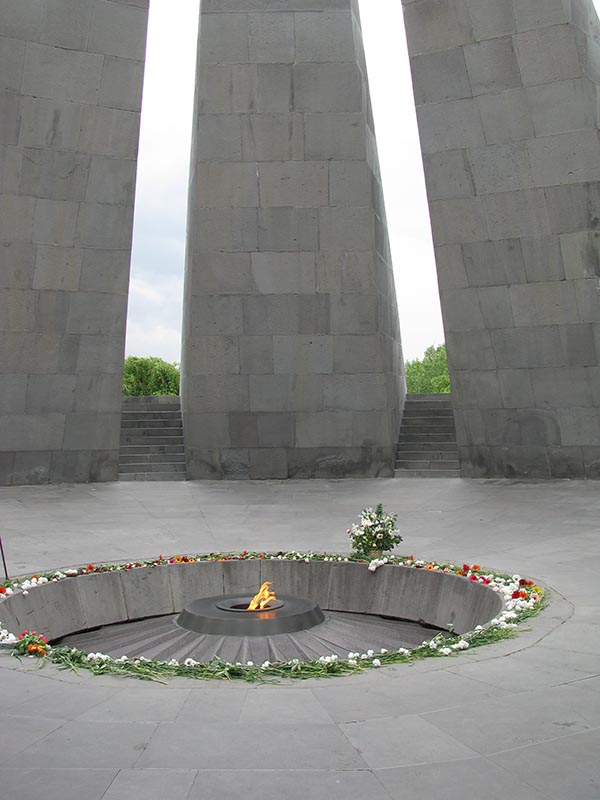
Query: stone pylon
506, 96
70, 95
291, 363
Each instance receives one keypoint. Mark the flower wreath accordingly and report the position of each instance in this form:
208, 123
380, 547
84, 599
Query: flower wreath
522, 599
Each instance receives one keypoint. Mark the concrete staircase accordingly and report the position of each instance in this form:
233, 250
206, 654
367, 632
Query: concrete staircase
427, 445
151, 440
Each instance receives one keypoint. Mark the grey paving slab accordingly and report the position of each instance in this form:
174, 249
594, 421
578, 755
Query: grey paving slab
411, 694
60, 701
397, 741
133, 704
562, 768
291, 784
420, 728
222, 703
288, 706
447, 781
77, 743
213, 747
508, 725
152, 784
55, 784
18, 733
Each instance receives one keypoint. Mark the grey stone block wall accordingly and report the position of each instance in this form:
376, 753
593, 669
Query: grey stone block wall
291, 363
506, 96
70, 96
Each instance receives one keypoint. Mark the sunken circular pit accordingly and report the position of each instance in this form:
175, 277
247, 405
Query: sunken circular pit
171, 611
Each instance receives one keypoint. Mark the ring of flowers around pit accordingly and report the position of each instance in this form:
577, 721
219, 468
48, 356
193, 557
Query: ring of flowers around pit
522, 599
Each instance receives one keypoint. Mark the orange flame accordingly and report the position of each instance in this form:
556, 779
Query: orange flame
263, 598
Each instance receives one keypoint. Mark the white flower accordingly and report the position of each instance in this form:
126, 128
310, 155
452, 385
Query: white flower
265, 665
353, 662
6, 637
173, 663
376, 662
383, 650
328, 659
445, 651
249, 663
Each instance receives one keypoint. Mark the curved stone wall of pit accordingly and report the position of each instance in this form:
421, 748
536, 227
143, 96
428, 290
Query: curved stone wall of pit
89, 601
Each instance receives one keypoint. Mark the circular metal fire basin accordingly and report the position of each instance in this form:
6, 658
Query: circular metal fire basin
225, 616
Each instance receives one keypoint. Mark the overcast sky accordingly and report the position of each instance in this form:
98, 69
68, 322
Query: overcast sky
154, 320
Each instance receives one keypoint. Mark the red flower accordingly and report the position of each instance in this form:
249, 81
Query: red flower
2, 590
90, 568
473, 578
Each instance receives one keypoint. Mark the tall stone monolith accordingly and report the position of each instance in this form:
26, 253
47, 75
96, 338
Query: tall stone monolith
70, 95
506, 96
291, 362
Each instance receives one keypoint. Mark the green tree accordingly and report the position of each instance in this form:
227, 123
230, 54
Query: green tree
150, 376
430, 374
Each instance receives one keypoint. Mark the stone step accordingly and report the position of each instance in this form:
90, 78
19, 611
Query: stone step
151, 458
171, 422
418, 454
149, 433
149, 415
429, 405
427, 473
417, 436
442, 400
437, 413
433, 464
151, 449
152, 446
161, 467
152, 400
427, 442
152, 476
149, 409
155, 441
427, 424
425, 446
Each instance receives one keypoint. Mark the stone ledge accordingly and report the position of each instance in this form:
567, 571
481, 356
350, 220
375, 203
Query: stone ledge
87, 601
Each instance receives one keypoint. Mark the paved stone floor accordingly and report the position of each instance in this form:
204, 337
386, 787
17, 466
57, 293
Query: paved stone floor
517, 720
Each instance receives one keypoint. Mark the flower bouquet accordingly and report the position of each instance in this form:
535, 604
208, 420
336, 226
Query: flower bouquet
375, 533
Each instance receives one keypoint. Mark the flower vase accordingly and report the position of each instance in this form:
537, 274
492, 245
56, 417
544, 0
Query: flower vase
374, 554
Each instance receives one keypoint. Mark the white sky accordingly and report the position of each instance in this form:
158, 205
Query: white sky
154, 320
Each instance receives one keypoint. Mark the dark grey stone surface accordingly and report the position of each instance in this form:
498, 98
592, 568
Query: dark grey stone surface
511, 157
70, 107
288, 264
